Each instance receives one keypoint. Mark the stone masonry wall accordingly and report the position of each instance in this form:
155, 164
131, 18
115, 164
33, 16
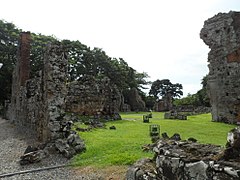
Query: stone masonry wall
91, 96
38, 105
17, 109
55, 91
222, 34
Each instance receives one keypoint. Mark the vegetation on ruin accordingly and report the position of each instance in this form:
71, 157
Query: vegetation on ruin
164, 87
82, 61
198, 99
122, 146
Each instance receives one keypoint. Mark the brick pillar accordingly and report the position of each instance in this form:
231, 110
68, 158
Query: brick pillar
24, 57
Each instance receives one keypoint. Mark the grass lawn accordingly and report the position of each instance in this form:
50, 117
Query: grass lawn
123, 146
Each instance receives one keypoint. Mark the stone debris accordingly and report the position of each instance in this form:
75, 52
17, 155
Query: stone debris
112, 128
33, 157
185, 160
232, 150
175, 115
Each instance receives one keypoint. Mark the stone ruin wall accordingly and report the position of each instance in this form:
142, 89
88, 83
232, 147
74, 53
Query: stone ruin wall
222, 34
91, 96
38, 105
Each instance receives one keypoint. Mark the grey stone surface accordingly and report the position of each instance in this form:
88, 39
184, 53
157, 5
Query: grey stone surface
222, 34
38, 105
94, 97
188, 160
135, 101
175, 115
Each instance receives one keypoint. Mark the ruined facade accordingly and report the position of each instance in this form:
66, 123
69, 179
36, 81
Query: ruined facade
134, 100
91, 96
164, 104
222, 34
40, 104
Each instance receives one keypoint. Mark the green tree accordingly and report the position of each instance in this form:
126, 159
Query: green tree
199, 99
8, 48
82, 61
163, 88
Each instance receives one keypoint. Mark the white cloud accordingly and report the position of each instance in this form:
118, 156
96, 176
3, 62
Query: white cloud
158, 37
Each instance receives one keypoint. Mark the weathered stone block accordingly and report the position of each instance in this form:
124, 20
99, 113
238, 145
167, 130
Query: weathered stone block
222, 34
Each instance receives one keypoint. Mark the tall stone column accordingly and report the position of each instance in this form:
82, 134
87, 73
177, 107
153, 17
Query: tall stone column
222, 34
55, 91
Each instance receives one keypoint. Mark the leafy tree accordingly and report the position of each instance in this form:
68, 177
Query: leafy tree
163, 88
82, 61
38, 46
8, 48
201, 95
199, 99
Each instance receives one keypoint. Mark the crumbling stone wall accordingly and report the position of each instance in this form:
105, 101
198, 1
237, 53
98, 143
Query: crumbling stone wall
164, 104
91, 96
55, 91
134, 100
222, 34
39, 104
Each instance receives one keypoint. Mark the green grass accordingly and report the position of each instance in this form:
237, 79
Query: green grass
123, 146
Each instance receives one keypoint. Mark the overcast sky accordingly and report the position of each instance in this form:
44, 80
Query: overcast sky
160, 37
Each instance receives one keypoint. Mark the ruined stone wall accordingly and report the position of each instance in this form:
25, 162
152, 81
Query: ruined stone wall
164, 104
135, 100
91, 96
222, 34
38, 104
55, 91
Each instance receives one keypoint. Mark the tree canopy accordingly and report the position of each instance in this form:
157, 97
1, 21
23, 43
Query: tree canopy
198, 99
164, 87
82, 61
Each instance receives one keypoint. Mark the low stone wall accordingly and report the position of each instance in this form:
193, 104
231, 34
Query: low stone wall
175, 160
192, 110
175, 115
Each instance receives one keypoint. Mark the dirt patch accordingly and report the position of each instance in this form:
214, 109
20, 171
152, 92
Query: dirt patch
108, 173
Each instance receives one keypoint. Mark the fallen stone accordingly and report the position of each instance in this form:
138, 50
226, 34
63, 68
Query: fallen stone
112, 128
33, 157
176, 137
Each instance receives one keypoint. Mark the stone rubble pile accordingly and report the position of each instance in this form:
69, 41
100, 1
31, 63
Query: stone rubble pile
175, 115
175, 160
